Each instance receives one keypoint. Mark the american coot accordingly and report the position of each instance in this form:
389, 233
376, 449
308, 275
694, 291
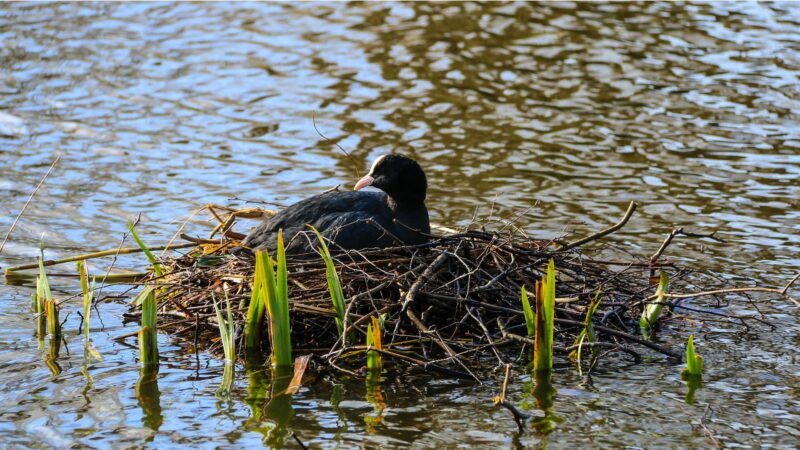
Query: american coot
356, 219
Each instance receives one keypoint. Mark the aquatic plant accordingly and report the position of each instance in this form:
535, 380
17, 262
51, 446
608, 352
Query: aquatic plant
587, 334
545, 314
88, 295
150, 256
374, 360
276, 298
652, 311
530, 321
694, 362
334, 285
256, 308
226, 330
39, 309
45, 297
148, 337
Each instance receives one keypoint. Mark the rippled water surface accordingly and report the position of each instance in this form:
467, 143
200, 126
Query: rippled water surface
558, 113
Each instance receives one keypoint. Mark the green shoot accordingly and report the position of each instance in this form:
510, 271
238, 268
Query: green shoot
43, 291
587, 334
545, 312
41, 315
334, 286
653, 310
88, 295
150, 256
374, 360
226, 330
530, 322
148, 337
276, 297
255, 311
694, 362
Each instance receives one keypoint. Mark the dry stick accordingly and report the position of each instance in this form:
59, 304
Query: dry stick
487, 334
412, 292
675, 232
708, 430
519, 416
424, 364
425, 330
782, 292
120, 251
25, 206
627, 336
631, 208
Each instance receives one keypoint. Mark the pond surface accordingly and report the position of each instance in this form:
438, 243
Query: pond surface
557, 113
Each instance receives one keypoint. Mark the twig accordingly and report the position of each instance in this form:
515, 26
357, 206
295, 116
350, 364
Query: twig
622, 334
500, 400
25, 206
708, 430
486, 333
120, 251
631, 208
679, 231
782, 292
441, 343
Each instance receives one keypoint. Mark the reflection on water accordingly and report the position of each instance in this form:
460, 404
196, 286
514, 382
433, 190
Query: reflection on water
557, 114
149, 397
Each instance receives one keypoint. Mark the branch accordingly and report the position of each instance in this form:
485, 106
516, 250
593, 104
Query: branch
121, 251
631, 208
500, 400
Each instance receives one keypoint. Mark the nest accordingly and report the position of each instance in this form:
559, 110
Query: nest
450, 305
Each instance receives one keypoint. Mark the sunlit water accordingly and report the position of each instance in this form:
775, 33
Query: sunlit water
558, 113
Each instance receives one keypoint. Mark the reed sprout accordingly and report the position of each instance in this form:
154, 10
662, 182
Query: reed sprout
374, 360
545, 312
587, 334
46, 298
652, 311
530, 321
276, 298
88, 295
334, 285
694, 362
150, 256
256, 309
39, 309
148, 337
226, 330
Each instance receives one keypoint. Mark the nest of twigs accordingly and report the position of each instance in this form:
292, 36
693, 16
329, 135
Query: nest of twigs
449, 305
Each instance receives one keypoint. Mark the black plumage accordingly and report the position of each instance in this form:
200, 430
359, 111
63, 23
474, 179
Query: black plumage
354, 220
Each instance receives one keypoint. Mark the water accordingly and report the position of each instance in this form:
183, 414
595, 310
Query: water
558, 113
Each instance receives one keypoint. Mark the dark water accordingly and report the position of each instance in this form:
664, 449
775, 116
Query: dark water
560, 113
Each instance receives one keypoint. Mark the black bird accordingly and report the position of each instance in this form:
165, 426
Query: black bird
355, 220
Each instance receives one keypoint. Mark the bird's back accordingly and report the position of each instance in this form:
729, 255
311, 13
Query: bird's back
351, 220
